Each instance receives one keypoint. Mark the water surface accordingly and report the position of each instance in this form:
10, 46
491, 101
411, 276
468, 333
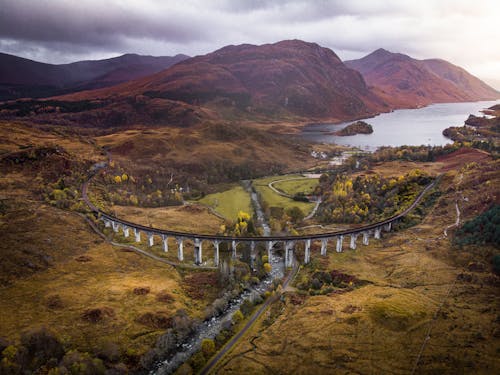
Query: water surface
412, 127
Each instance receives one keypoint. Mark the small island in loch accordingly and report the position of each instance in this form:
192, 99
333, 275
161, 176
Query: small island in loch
358, 127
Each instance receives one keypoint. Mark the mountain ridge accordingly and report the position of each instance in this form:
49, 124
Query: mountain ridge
292, 76
407, 82
21, 77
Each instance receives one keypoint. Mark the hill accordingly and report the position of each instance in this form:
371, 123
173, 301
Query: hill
406, 82
20, 77
288, 77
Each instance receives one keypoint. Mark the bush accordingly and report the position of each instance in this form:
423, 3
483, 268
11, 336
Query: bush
246, 307
98, 314
164, 296
237, 317
208, 347
484, 229
197, 361
78, 363
267, 267
40, 347
316, 284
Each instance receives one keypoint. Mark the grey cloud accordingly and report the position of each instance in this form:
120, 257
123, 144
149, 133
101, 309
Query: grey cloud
58, 30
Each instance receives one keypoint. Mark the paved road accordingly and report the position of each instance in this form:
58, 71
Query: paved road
231, 343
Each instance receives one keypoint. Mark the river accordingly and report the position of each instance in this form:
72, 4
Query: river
412, 127
210, 328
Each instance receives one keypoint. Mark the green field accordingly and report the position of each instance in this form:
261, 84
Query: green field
292, 187
276, 200
228, 203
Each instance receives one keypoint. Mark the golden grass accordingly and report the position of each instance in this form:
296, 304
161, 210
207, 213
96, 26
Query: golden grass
381, 327
177, 218
397, 168
229, 202
15, 136
107, 280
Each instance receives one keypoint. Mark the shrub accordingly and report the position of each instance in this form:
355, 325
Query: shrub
484, 229
164, 296
40, 346
78, 363
208, 347
54, 302
158, 320
316, 284
237, 317
142, 290
109, 352
97, 314
246, 307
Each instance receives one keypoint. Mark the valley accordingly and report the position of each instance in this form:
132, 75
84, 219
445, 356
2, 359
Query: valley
204, 193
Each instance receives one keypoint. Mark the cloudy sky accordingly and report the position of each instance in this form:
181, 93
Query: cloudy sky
464, 32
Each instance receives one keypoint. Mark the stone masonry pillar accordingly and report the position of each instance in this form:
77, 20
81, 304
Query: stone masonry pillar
366, 238
164, 238
307, 251
252, 254
340, 239
197, 251
180, 249
354, 237
269, 245
216, 252
234, 244
324, 244
137, 234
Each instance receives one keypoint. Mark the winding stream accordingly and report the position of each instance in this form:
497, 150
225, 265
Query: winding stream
211, 328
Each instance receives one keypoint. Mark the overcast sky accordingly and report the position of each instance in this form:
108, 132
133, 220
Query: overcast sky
464, 32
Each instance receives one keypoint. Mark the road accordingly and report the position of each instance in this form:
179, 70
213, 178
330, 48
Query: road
231, 343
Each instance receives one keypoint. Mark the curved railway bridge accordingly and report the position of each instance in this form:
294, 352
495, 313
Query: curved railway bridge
289, 242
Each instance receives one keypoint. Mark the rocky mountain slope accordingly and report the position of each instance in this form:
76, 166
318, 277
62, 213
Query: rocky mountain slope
406, 82
21, 77
288, 77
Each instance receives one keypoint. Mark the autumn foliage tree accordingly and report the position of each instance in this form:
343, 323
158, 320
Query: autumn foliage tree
368, 197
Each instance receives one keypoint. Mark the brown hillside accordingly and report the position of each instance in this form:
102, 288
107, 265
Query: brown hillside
406, 82
20, 77
286, 77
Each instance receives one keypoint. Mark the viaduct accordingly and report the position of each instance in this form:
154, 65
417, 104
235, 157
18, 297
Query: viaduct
289, 242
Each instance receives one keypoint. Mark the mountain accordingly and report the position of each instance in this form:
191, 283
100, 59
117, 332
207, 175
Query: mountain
20, 77
288, 77
406, 82
461, 78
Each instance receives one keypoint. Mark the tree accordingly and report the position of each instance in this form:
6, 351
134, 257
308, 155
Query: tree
267, 267
295, 214
237, 317
118, 179
208, 347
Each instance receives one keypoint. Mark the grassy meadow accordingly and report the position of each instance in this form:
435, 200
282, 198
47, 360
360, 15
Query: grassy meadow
272, 199
421, 305
295, 186
229, 202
